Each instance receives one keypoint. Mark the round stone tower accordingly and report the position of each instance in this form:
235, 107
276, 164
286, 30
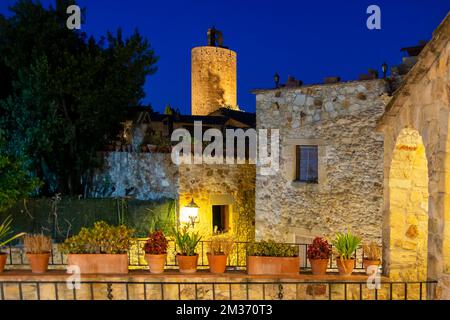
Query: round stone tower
213, 76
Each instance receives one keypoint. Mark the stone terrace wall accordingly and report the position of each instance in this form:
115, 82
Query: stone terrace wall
339, 118
144, 176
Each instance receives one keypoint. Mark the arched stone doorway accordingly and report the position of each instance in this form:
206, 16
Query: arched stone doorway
421, 104
408, 211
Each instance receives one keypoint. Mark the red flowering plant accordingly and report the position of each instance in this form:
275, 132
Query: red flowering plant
319, 249
156, 243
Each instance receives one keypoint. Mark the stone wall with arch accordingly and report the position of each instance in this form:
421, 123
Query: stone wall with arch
422, 105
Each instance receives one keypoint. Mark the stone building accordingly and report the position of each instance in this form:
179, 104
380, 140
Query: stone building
213, 76
369, 156
333, 127
139, 165
354, 156
415, 126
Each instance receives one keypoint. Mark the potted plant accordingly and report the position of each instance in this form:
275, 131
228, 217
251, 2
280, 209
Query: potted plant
5, 238
156, 251
269, 257
100, 249
220, 247
38, 248
371, 256
319, 252
345, 245
186, 242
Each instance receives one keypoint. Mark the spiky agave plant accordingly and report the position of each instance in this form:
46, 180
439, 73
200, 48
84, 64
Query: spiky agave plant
186, 241
5, 232
346, 244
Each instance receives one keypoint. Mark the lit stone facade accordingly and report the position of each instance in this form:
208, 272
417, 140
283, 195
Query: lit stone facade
231, 185
340, 119
213, 79
421, 108
154, 176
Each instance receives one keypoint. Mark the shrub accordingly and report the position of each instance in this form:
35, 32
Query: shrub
221, 245
319, 249
272, 249
101, 238
156, 243
372, 251
186, 241
37, 243
5, 232
346, 244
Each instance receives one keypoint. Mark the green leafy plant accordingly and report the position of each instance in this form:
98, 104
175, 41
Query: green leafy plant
164, 222
272, 249
345, 245
5, 232
101, 238
186, 241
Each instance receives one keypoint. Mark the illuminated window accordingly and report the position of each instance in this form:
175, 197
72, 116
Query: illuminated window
220, 218
307, 164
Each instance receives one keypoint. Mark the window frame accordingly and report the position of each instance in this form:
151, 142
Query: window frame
225, 211
298, 162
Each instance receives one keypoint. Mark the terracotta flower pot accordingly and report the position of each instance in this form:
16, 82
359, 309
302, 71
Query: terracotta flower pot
345, 266
156, 262
100, 263
3, 257
217, 263
38, 261
319, 266
187, 264
367, 263
273, 265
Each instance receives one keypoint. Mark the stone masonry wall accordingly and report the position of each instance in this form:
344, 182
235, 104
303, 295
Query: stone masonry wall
144, 176
213, 79
221, 184
340, 118
153, 176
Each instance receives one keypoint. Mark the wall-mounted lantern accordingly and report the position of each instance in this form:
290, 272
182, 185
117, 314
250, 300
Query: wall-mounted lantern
189, 213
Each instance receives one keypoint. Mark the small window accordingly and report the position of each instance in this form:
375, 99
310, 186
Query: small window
220, 218
307, 164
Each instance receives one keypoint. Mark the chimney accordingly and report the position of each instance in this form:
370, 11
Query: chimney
328, 80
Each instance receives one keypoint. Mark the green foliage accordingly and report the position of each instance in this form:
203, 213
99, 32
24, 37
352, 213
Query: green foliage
101, 238
15, 181
345, 244
5, 232
186, 241
67, 94
62, 217
162, 222
272, 249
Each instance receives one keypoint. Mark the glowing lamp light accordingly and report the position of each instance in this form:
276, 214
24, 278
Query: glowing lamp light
189, 213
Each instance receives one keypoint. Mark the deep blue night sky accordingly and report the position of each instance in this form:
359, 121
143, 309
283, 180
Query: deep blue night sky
307, 39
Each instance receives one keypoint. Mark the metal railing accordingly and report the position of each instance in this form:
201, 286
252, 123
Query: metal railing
236, 259
272, 290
